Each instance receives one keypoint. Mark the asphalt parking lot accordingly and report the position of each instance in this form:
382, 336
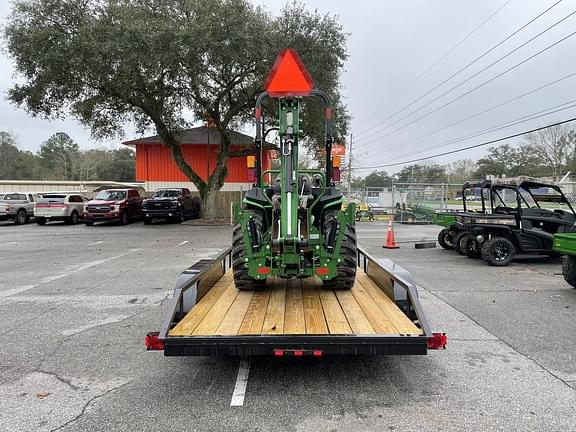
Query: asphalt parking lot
76, 302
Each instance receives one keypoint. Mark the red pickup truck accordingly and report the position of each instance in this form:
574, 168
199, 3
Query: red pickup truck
118, 205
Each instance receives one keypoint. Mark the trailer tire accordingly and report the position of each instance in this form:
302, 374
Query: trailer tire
242, 280
569, 269
346, 269
458, 242
498, 251
446, 239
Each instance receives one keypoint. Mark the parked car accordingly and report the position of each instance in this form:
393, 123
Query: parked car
59, 207
175, 204
17, 207
119, 205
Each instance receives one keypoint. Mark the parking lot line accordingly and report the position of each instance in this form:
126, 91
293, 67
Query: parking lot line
241, 383
8, 244
183, 243
96, 243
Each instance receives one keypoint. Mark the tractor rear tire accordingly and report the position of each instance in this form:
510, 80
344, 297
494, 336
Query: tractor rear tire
346, 268
569, 269
459, 242
446, 239
498, 251
243, 281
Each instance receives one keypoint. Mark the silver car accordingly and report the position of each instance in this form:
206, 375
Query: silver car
59, 207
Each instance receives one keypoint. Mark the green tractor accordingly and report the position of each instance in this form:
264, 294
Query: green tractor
565, 244
290, 224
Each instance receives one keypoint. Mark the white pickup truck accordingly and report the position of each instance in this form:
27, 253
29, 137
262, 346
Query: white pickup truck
17, 207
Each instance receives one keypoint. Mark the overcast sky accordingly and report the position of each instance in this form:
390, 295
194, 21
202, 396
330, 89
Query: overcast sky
392, 43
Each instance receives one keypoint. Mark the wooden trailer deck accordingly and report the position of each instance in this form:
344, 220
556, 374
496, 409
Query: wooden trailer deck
295, 307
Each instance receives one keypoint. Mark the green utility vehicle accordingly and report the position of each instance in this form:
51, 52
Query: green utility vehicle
293, 226
565, 244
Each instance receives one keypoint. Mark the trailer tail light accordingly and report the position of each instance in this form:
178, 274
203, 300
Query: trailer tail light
317, 353
298, 353
263, 270
437, 341
153, 342
322, 271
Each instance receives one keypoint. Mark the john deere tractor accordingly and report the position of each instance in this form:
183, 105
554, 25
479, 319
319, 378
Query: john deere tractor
290, 224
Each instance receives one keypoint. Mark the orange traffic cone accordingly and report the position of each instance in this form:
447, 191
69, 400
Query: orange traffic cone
390, 242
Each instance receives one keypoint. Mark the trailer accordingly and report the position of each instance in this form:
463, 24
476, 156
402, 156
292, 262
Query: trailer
380, 315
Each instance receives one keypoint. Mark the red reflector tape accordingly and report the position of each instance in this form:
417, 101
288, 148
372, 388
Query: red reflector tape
263, 270
153, 342
437, 341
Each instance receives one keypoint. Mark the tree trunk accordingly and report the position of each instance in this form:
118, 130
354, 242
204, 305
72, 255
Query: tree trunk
217, 177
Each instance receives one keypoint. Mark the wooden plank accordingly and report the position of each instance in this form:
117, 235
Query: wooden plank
313, 312
354, 315
393, 312
235, 315
254, 318
189, 323
294, 321
212, 320
378, 320
274, 319
335, 317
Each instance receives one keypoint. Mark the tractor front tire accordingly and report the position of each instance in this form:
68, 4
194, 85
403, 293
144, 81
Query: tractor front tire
346, 268
446, 239
498, 251
569, 269
243, 281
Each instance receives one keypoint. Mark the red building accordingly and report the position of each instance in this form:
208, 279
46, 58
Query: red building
155, 166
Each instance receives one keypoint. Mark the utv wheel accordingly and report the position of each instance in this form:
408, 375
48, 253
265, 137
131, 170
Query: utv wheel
41, 221
498, 251
459, 242
346, 269
243, 281
446, 239
471, 247
21, 217
569, 269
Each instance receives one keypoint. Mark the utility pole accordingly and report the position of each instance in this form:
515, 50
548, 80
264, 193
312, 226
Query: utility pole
350, 168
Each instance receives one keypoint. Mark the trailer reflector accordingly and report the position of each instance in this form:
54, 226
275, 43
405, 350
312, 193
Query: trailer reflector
298, 353
437, 341
153, 342
317, 353
278, 353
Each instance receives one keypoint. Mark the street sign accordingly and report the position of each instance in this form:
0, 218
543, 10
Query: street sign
289, 76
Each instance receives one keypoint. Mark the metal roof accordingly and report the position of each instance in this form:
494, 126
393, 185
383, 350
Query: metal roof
198, 135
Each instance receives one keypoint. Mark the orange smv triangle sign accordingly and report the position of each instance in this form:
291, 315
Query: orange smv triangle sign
289, 76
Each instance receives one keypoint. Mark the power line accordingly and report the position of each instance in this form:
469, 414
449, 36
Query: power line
487, 110
520, 120
466, 67
473, 89
477, 145
446, 54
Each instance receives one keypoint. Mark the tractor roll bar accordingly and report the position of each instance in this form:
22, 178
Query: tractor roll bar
327, 134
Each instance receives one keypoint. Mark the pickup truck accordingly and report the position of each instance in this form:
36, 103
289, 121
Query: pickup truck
175, 204
17, 207
113, 205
